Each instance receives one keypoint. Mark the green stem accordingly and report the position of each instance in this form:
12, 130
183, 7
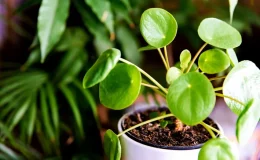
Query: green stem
218, 89
216, 78
163, 59
145, 122
166, 57
196, 56
224, 96
208, 129
147, 75
212, 128
149, 85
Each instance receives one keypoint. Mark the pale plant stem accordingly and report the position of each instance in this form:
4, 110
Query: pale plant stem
147, 75
231, 98
218, 89
163, 59
166, 57
195, 57
149, 85
145, 122
208, 129
216, 78
212, 128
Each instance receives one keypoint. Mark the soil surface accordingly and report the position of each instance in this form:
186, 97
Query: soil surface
173, 134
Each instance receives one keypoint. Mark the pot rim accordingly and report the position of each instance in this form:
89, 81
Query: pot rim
151, 146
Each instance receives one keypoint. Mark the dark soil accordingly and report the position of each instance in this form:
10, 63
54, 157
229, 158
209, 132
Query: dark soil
174, 134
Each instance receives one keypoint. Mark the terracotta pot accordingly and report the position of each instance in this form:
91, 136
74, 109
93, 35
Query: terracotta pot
134, 150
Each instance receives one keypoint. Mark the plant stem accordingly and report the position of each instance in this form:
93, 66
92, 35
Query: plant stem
166, 57
149, 85
208, 129
143, 123
147, 75
218, 89
212, 128
196, 56
216, 78
163, 59
221, 95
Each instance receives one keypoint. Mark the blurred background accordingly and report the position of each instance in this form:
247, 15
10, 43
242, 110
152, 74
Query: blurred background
44, 111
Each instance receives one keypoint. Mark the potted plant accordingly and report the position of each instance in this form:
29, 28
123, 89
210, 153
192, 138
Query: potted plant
190, 95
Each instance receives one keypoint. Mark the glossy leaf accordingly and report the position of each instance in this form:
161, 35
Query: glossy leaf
112, 145
121, 87
218, 149
10, 154
213, 61
102, 9
242, 84
185, 58
129, 44
104, 64
158, 27
172, 74
247, 121
146, 48
186, 98
232, 6
233, 57
219, 34
51, 23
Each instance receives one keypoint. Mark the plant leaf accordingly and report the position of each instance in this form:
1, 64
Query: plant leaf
90, 99
233, 57
102, 9
242, 84
51, 23
112, 145
121, 87
45, 115
213, 61
218, 149
32, 114
74, 107
185, 58
121, 8
232, 6
186, 98
8, 152
172, 74
129, 44
158, 27
104, 64
53, 108
247, 121
219, 33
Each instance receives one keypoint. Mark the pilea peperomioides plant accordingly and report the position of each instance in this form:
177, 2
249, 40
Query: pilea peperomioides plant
190, 95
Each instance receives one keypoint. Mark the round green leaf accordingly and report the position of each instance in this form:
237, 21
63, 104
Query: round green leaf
247, 121
191, 98
219, 33
121, 87
185, 58
218, 149
172, 74
243, 84
213, 61
158, 27
112, 145
104, 64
